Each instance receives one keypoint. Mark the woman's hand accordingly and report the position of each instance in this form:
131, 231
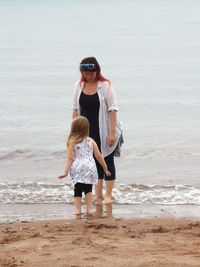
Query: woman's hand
107, 172
111, 139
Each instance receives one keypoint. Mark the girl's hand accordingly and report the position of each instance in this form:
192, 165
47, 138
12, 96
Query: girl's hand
62, 176
107, 173
111, 139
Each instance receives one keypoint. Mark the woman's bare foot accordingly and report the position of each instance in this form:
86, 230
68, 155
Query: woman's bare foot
107, 200
98, 201
90, 212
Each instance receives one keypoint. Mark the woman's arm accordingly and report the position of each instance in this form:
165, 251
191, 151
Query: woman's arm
112, 108
100, 158
112, 133
74, 114
75, 103
68, 163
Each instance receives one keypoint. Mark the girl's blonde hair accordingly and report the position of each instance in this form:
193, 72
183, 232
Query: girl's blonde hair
79, 130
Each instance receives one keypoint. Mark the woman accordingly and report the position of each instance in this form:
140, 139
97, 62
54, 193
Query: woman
94, 98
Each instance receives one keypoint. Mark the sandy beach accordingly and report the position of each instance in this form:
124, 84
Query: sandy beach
101, 242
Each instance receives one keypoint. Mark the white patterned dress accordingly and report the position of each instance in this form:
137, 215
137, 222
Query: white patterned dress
83, 168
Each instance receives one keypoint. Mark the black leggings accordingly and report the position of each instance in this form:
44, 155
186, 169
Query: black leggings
79, 188
111, 167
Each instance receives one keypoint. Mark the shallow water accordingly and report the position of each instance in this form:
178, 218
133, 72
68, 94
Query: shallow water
151, 52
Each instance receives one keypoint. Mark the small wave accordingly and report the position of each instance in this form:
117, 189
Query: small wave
28, 153
157, 195
14, 154
30, 192
132, 194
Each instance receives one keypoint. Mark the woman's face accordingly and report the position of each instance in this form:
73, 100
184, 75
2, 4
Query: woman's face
89, 76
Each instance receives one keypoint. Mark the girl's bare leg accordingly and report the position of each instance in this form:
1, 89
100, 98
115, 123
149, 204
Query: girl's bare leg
109, 188
88, 198
98, 191
77, 203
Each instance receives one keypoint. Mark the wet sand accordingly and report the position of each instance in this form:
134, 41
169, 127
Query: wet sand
37, 212
91, 241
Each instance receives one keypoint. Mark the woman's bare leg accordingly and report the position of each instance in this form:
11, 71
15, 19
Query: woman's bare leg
99, 190
109, 188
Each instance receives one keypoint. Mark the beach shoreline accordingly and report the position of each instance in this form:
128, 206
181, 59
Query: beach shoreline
101, 242
10, 213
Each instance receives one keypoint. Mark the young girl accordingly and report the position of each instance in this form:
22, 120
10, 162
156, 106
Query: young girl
80, 166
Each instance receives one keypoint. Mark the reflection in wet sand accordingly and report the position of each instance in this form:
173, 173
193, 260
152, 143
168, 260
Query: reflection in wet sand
103, 210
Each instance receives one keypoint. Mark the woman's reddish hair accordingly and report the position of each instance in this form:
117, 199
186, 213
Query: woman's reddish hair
99, 76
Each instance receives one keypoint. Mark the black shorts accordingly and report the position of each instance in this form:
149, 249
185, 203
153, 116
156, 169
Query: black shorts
79, 188
111, 167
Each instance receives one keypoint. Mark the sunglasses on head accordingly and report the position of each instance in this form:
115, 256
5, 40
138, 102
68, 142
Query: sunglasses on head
89, 67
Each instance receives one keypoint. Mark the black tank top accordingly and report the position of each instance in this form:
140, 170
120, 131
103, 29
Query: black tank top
89, 108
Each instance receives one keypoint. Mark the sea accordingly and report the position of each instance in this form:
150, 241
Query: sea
150, 51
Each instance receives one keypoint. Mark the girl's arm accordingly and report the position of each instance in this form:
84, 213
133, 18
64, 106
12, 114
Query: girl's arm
112, 132
69, 159
100, 158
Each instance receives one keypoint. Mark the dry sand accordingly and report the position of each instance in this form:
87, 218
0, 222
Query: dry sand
101, 242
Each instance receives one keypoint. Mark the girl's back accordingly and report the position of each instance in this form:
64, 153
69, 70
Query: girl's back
84, 149
83, 169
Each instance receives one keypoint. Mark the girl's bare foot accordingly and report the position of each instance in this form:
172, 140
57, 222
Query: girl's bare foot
77, 212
